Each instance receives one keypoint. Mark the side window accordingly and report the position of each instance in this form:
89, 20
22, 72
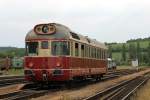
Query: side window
105, 54
71, 48
86, 51
76, 49
44, 45
90, 53
101, 54
82, 50
95, 53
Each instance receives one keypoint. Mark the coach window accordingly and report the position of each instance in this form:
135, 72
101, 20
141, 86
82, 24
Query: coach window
97, 53
82, 50
71, 48
60, 48
105, 54
44, 44
76, 49
92, 52
86, 51
100, 53
89, 52
32, 48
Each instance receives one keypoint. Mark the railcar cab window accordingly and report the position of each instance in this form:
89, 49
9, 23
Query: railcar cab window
32, 48
44, 44
60, 48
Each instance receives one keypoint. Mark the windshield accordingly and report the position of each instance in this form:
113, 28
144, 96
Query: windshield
32, 48
60, 48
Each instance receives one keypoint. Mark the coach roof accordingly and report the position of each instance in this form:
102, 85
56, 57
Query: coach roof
63, 32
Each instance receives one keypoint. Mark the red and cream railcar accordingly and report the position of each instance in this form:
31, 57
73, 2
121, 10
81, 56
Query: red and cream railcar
55, 53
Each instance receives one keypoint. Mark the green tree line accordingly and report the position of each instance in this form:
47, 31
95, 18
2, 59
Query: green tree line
132, 51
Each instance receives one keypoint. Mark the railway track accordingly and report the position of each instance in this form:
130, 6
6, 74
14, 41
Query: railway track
23, 94
9, 80
121, 91
118, 73
33, 92
29, 91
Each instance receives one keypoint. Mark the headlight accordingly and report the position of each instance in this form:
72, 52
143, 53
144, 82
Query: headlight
30, 65
45, 29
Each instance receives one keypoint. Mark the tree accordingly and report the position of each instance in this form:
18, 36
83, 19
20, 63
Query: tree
138, 52
148, 51
132, 51
110, 51
123, 52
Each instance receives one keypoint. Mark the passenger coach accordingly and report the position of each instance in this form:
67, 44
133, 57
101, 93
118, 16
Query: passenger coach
55, 53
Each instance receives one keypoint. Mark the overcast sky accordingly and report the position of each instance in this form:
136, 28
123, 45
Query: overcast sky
104, 20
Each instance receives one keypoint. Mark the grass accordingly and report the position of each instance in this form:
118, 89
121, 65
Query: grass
14, 71
130, 67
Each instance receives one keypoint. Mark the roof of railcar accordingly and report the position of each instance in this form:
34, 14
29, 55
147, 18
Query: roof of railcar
63, 32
